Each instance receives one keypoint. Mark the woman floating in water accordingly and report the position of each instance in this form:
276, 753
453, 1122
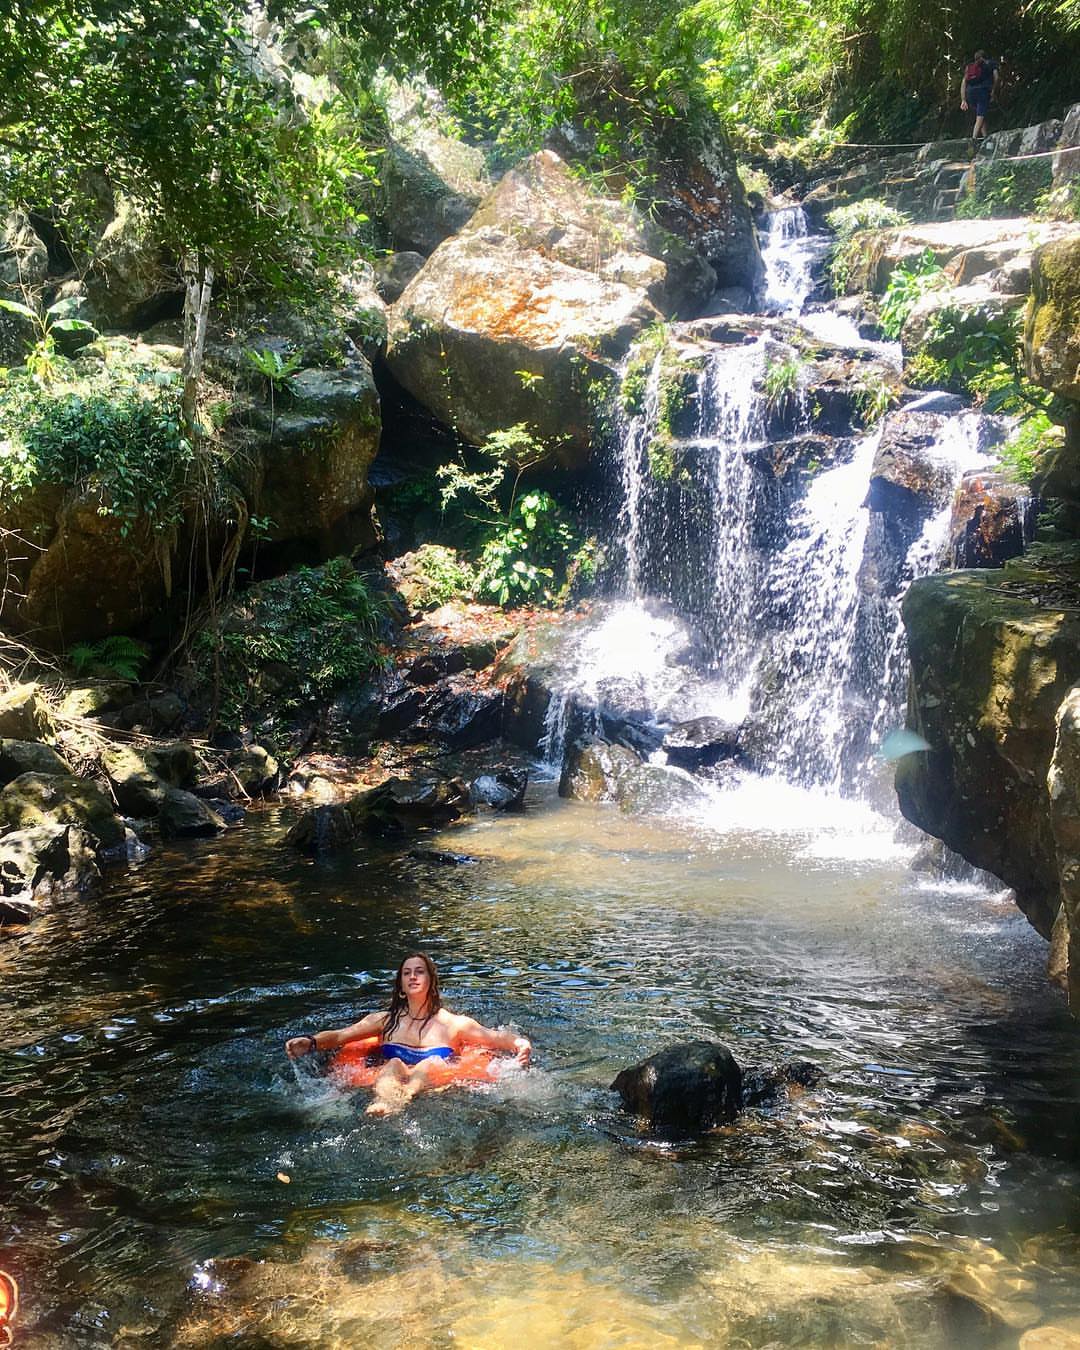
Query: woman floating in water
416, 1037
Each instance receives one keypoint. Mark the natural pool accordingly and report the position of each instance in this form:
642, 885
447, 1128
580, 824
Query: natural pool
924, 1195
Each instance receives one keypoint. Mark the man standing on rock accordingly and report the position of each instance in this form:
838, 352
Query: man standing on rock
976, 90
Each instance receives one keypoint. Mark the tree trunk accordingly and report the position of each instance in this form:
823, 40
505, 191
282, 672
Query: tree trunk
198, 288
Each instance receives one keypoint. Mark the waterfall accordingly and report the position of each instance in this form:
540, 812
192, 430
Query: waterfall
813, 596
757, 586
788, 252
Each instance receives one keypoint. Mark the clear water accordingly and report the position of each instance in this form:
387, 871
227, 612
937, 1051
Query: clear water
148, 1110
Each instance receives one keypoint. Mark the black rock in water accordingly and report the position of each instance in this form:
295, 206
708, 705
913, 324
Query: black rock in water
701, 742
504, 789
442, 857
687, 1087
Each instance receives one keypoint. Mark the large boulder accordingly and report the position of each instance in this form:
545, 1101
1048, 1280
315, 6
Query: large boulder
966, 248
1052, 335
401, 805
309, 473
130, 275
990, 668
701, 742
1063, 786
137, 788
18, 757
660, 789
431, 181
36, 799
24, 714
515, 319
688, 1087
182, 815
42, 857
93, 576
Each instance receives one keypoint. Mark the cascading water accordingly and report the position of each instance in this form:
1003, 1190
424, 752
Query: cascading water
787, 253
751, 590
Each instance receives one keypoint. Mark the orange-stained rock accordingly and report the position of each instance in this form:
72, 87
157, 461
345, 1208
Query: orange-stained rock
522, 317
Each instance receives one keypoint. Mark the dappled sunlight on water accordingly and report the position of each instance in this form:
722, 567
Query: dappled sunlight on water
171, 1179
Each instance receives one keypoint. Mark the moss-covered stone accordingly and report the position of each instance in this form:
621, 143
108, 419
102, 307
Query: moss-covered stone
18, 757
36, 799
1052, 334
989, 670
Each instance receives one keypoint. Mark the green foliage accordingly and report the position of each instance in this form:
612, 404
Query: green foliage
907, 285
848, 221
529, 550
783, 381
1019, 456
443, 576
116, 657
924, 371
635, 381
1005, 190
874, 396
271, 365
294, 641
518, 563
42, 358
120, 436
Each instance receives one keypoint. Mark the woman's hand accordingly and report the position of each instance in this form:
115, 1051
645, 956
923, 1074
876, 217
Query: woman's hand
297, 1046
522, 1050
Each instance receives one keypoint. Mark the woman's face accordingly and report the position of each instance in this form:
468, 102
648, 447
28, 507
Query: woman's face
415, 980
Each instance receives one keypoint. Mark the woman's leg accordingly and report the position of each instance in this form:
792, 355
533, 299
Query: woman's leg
389, 1088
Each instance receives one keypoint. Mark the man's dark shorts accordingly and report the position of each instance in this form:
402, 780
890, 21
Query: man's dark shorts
979, 101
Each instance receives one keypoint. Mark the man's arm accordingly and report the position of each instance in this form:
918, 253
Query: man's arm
963, 93
371, 1025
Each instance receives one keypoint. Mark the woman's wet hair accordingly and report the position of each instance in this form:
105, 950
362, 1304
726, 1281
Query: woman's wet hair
399, 1002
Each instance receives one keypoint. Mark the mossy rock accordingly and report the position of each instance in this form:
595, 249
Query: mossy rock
1052, 334
19, 757
24, 715
37, 799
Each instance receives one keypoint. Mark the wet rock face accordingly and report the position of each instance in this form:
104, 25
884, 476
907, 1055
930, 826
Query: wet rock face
593, 769
989, 671
701, 742
504, 789
992, 520
688, 1087
906, 480
1063, 787
1052, 335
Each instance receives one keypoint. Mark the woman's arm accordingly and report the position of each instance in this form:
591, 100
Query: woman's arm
371, 1025
472, 1033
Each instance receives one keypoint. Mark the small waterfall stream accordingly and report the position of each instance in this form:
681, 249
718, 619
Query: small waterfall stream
752, 591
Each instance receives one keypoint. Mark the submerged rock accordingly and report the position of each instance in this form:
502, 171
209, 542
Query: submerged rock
653, 789
183, 815
328, 828
504, 789
592, 770
691, 1086
403, 804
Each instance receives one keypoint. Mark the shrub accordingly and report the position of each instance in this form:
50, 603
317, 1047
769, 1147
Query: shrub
1019, 455
293, 641
441, 576
122, 439
848, 221
116, 657
907, 285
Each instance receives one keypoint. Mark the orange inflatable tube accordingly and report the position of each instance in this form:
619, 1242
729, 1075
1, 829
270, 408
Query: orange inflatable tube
475, 1064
